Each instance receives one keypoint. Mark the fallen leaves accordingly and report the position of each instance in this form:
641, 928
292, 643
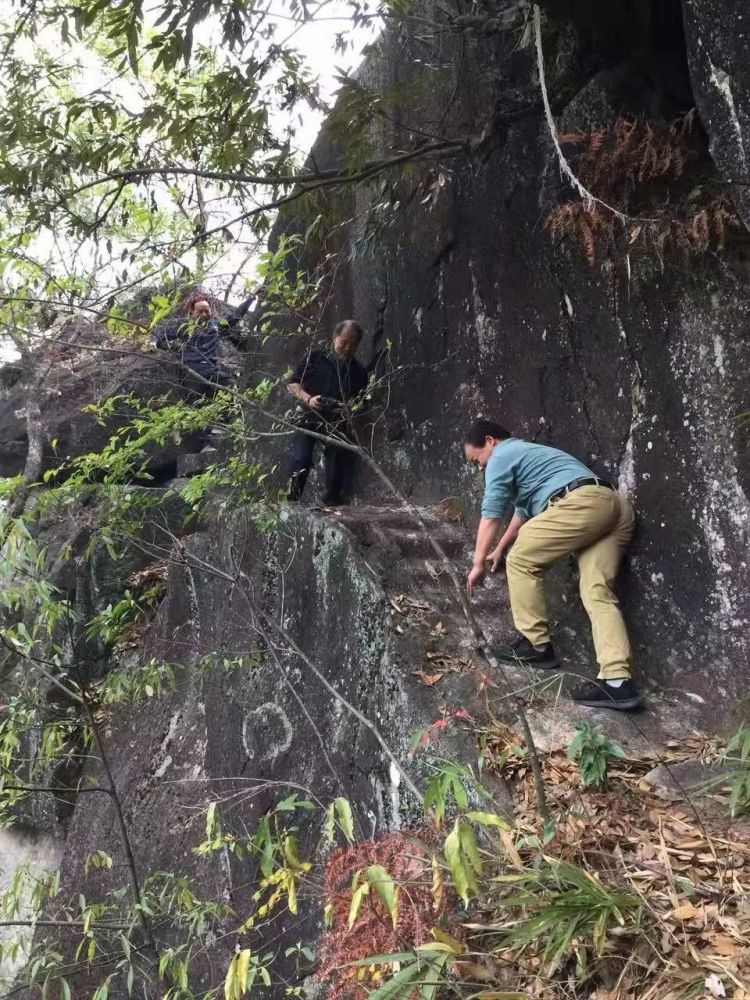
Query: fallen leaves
688, 867
438, 665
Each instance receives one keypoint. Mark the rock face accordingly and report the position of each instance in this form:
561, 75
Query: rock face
636, 364
38, 853
250, 720
75, 377
245, 726
718, 34
80, 368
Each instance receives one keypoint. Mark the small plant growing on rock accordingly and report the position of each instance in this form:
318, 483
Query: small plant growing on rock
737, 755
563, 908
384, 899
593, 753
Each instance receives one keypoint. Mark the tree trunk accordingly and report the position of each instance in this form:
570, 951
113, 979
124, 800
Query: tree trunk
33, 465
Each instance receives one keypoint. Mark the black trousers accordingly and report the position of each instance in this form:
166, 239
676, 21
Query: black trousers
217, 378
338, 463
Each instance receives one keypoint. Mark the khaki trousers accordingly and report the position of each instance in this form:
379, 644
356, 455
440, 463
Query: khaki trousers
596, 525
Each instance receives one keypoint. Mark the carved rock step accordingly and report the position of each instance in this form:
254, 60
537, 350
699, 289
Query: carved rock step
399, 530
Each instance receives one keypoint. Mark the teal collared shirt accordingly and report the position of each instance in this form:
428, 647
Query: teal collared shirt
524, 475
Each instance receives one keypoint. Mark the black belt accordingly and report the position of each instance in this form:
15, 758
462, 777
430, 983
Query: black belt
576, 484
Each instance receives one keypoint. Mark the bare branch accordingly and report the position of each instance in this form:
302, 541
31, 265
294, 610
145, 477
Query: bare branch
315, 179
70, 924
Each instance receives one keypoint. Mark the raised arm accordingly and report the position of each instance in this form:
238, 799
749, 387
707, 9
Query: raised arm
233, 318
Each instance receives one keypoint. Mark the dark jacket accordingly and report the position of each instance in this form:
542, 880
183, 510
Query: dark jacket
200, 341
321, 373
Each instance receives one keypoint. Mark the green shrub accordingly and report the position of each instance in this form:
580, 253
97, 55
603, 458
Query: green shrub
593, 752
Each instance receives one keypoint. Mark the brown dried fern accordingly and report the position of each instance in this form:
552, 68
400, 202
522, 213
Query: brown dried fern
407, 859
622, 161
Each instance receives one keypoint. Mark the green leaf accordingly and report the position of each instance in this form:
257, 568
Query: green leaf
397, 985
385, 889
357, 896
345, 818
461, 869
549, 831
469, 846
132, 42
432, 975
290, 850
243, 967
489, 819
459, 792
236, 981
293, 802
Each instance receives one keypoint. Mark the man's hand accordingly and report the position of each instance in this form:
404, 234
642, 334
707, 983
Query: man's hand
474, 578
497, 557
314, 401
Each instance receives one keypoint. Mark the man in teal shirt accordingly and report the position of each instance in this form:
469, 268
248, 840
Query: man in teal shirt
557, 507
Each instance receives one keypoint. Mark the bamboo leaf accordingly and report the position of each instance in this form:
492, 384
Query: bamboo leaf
456, 946
463, 875
469, 846
402, 984
386, 891
345, 818
432, 976
243, 967
357, 896
291, 894
489, 819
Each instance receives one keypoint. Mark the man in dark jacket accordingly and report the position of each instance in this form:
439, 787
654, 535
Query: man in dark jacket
198, 338
325, 384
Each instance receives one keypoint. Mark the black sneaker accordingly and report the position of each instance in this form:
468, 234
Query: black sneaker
521, 651
602, 695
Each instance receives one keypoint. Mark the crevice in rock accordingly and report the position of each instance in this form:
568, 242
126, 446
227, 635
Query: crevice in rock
378, 337
566, 310
445, 254
625, 463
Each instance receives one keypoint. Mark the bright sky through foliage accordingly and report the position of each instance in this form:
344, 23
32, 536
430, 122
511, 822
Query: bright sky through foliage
328, 44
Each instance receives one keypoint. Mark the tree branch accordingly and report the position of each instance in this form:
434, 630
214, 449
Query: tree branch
269, 180
72, 924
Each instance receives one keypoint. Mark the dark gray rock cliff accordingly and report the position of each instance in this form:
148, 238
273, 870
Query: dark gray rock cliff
636, 363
